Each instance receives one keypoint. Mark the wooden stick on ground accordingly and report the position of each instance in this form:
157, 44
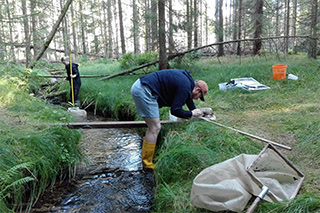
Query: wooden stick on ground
250, 135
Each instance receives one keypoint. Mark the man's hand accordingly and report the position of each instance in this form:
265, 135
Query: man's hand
196, 113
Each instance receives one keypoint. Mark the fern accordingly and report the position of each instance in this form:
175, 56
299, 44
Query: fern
16, 184
15, 170
4, 207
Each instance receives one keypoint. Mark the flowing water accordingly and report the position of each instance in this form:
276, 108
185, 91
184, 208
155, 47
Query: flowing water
110, 180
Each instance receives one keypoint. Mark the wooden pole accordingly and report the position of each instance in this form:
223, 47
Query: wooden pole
249, 135
107, 124
71, 80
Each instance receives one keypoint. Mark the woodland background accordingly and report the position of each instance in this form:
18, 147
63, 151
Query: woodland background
257, 33
33, 29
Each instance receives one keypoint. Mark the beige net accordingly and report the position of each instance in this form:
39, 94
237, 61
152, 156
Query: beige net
230, 185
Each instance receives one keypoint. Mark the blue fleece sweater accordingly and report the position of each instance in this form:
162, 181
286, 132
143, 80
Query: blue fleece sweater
75, 71
172, 88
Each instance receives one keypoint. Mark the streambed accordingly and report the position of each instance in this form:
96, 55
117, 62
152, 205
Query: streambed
111, 179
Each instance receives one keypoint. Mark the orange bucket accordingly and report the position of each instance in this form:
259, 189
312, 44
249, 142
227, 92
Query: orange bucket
279, 71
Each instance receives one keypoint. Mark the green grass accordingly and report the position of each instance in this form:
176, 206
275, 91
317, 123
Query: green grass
33, 156
287, 114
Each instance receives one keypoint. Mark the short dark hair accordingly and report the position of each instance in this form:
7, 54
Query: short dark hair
64, 59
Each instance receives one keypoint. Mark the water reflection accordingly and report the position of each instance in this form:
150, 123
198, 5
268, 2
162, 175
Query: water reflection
110, 149
111, 179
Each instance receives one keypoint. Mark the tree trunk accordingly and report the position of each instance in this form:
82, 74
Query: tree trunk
239, 28
65, 33
83, 26
2, 46
195, 23
220, 28
235, 19
136, 31
294, 21
116, 31
154, 25
34, 31
200, 25
171, 42
102, 27
258, 27
26, 30
231, 21
93, 29
51, 35
313, 30
189, 24
163, 63
110, 30
74, 33
286, 27
123, 42
147, 23
277, 17
206, 23
105, 29
12, 54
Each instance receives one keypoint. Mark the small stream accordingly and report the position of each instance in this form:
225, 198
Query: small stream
110, 180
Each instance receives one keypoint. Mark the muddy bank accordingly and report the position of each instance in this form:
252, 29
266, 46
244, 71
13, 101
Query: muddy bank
110, 180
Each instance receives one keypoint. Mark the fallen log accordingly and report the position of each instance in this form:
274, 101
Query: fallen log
182, 54
129, 71
52, 95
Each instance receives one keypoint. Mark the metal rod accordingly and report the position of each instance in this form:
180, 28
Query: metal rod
256, 202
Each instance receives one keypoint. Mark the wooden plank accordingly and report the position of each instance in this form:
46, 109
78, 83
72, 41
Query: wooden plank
108, 124
64, 76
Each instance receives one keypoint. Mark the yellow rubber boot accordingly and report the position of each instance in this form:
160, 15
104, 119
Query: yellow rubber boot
147, 154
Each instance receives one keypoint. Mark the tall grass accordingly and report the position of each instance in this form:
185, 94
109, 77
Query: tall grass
186, 150
307, 203
109, 97
33, 156
32, 159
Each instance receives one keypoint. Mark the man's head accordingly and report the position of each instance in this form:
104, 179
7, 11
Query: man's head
65, 61
200, 90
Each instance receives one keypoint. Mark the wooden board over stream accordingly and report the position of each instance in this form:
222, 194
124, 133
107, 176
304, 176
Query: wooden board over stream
107, 124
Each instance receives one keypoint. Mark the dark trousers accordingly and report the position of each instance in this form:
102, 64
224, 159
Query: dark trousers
76, 88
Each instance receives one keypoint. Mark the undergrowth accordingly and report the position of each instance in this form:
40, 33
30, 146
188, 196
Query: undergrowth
33, 155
